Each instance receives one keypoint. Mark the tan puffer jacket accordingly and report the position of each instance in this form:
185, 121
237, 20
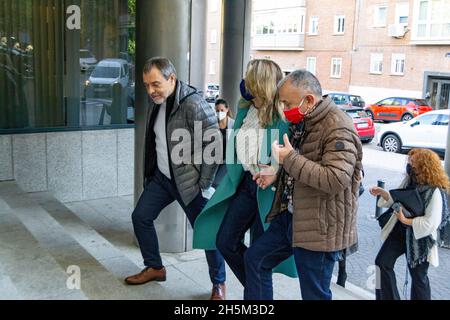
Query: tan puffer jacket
327, 173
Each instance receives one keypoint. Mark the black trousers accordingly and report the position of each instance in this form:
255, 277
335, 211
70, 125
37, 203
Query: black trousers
392, 248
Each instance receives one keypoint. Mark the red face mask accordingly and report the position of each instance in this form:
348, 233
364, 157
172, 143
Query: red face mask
294, 115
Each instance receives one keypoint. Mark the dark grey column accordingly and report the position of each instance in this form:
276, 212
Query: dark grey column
235, 47
198, 44
163, 28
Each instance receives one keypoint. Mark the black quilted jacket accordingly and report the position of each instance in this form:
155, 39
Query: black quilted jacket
189, 108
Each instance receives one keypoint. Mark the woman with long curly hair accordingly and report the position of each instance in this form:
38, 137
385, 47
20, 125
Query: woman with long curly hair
414, 237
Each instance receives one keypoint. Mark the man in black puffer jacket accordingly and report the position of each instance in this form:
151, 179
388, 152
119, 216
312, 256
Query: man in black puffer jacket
176, 111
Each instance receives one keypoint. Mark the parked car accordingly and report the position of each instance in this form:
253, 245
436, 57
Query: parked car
105, 75
87, 60
362, 122
398, 109
426, 131
346, 99
212, 92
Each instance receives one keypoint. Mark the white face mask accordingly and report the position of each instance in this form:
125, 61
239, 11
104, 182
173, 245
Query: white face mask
221, 115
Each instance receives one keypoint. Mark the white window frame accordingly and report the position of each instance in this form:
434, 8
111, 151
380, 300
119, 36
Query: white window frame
442, 20
333, 61
376, 64
398, 62
302, 23
400, 9
339, 24
212, 67
376, 16
313, 21
313, 61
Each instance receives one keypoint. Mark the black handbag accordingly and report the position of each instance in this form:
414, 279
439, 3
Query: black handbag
411, 200
384, 217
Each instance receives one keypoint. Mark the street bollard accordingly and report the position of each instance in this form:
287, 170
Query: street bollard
380, 184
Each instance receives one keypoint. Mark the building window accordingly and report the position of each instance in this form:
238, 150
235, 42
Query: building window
402, 13
213, 36
212, 67
289, 23
376, 63
66, 74
398, 64
311, 64
431, 20
336, 67
379, 16
265, 24
339, 24
314, 26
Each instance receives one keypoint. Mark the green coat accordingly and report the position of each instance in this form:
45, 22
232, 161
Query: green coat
208, 222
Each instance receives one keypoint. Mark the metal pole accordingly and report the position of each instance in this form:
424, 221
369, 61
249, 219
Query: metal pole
447, 153
445, 234
378, 210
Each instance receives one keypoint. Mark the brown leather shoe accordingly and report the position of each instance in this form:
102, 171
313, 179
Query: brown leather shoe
218, 292
146, 275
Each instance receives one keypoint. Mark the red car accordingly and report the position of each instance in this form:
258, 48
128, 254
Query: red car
398, 109
362, 122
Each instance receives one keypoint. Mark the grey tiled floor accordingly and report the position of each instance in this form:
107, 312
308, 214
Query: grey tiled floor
41, 240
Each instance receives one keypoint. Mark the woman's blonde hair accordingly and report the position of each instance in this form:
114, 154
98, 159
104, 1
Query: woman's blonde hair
428, 168
261, 81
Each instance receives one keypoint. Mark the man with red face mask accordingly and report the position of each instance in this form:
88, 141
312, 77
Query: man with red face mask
315, 206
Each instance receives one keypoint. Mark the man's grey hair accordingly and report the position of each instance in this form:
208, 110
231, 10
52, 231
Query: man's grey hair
305, 81
164, 65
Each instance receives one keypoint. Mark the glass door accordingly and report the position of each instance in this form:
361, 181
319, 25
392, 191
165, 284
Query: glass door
444, 97
440, 94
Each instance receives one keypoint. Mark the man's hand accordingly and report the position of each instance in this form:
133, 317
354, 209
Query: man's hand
266, 177
280, 152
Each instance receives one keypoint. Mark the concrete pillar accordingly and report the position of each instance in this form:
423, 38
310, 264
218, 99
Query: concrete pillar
235, 47
198, 44
165, 28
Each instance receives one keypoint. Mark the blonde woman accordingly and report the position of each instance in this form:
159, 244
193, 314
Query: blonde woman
239, 204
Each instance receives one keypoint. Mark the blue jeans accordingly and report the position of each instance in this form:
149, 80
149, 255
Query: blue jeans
242, 214
159, 193
273, 247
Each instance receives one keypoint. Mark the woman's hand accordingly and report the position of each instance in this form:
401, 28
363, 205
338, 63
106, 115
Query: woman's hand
401, 217
377, 191
266, 177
